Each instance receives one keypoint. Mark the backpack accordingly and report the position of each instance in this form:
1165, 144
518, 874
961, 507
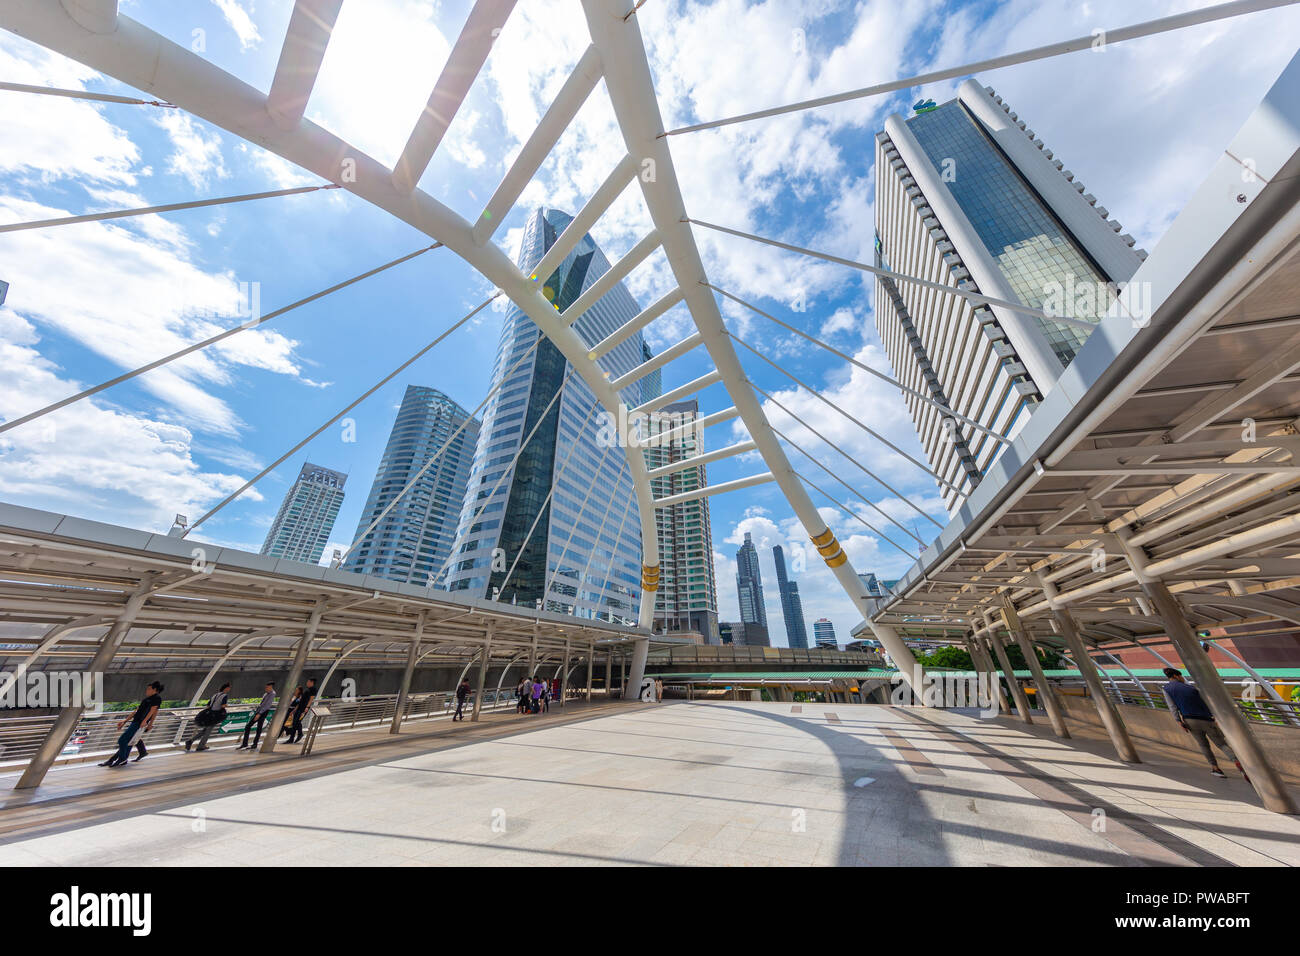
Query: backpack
208, 716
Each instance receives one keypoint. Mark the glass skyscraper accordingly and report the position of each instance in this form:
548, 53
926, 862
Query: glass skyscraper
796, 632
969, 197
687, 599
749, 590
413, 541
306, 516
579, 550
824, 633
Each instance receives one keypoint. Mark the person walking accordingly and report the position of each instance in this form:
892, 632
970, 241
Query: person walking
209, 719
1190, 710
136, 726
538, 689
300, 711
462, 694
259, 716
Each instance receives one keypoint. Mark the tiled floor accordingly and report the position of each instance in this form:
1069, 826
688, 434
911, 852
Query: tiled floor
718, 783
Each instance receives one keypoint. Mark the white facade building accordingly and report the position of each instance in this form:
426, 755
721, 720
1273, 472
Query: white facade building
966, 196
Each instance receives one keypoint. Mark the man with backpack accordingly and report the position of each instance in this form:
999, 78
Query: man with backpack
209, 719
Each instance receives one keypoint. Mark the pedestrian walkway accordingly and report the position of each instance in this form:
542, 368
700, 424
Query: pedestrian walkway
696, 783
81, 792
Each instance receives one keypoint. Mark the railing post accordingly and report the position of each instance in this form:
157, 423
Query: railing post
404, 691
66, 722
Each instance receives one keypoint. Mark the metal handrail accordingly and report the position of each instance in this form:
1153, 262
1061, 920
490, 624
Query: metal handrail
97, 734
1262, 710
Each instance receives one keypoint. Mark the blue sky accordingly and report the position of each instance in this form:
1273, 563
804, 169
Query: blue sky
1140, 124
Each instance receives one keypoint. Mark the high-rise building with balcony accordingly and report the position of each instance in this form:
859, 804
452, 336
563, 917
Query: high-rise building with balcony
412, 542
687, 600
749, 591
306, 516
558, 519
966, 196
796, 631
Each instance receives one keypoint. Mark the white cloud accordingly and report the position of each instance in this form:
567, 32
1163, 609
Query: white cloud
196, 151
47, 138
89, 459
130, 299
241, 21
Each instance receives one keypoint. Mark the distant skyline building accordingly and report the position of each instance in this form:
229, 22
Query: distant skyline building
580, 547
796, 631
306, 517
412, 543
687, 600
824, 633
967, 196
739, 634
749, 590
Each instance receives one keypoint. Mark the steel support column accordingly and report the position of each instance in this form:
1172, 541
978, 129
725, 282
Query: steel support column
1110, 718
66, 722
403, 692
1017, 692
482, 674
636, 672
295, 675
564, 674
591, 663
1045, 692
1230, 720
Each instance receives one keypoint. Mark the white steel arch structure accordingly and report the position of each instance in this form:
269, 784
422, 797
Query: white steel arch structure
94, 33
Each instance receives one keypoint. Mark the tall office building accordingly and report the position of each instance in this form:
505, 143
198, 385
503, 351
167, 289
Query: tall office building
580, 547
749, 589
796, 632
968, 197
687, 600
306, 516
412, 542
824, 634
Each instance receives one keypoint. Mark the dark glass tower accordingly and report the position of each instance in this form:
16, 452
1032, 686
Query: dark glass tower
791, 607
579, 551
749, 589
